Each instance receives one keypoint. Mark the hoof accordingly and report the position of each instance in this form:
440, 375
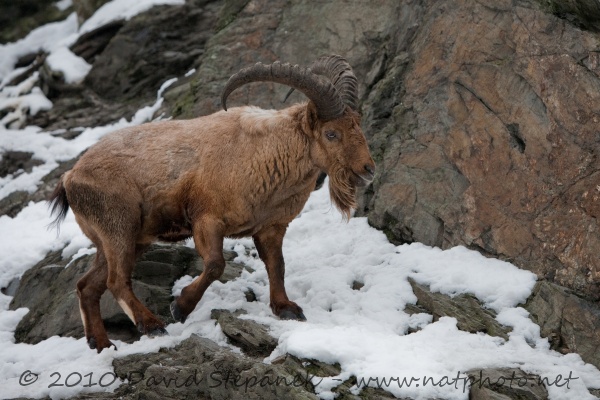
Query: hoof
289, 314
94, 345
176, 312
158, 332
151, 329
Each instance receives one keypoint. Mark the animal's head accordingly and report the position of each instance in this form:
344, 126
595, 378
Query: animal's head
338, 145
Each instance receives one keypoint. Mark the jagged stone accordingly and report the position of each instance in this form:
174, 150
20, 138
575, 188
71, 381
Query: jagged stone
134, 65
506, 384
251, 337
273, 30
13, 161
250, 295
200, 369
305, 367
356, 285
91, 44
570, 323
470, 315
368, 393
12, 204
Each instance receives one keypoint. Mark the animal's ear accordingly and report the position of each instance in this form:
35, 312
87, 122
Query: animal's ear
311, 116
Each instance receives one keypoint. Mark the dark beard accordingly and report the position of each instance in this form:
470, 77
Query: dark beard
342, 191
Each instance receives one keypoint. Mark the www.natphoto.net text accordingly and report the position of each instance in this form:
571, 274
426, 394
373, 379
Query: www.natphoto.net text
244, 381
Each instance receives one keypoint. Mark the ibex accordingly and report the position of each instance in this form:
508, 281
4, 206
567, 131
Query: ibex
236, 173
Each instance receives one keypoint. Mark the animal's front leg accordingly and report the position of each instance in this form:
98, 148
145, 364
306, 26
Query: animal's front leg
208, 239
268, 243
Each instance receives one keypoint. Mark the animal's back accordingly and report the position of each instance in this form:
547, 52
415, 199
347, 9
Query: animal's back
237, 163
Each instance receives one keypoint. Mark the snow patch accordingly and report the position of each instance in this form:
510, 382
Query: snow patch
73, 68
122, 9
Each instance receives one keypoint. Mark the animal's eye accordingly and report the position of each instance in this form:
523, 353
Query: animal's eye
331, 135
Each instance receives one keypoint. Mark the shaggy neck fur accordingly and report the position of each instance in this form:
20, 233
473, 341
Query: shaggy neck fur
341, 189
285, 161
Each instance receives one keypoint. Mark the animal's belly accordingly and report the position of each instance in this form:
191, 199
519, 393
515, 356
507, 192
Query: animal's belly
175, 236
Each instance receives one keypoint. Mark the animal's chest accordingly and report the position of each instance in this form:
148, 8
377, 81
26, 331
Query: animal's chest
276, 208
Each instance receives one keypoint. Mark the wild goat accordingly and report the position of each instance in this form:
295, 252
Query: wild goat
242, 172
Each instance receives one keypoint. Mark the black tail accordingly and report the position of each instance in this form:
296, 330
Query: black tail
60, 205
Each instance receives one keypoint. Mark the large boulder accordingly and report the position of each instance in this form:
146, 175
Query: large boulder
485, 135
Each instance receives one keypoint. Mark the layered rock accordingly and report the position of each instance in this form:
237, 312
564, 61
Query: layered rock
470, 315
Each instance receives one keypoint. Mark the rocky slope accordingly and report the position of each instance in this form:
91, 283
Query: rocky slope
481, 116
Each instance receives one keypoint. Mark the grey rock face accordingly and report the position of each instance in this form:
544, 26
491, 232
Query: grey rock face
252, 338
478, 143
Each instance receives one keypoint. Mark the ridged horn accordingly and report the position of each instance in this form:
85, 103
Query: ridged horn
317, 88
337, 69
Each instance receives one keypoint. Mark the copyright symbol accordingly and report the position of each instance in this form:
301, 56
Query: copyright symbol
27, 378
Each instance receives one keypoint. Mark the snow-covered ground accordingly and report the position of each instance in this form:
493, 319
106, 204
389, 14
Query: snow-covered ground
365, 330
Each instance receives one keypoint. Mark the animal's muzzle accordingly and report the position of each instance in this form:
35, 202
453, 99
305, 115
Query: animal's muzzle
366, 176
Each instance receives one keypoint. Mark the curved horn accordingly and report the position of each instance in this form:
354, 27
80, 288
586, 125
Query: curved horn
317, 88
339, 72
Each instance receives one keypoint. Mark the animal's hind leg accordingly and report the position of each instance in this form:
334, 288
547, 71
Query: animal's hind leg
89, 289
121, 256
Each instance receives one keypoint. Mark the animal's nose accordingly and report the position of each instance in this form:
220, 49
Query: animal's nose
370, 168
